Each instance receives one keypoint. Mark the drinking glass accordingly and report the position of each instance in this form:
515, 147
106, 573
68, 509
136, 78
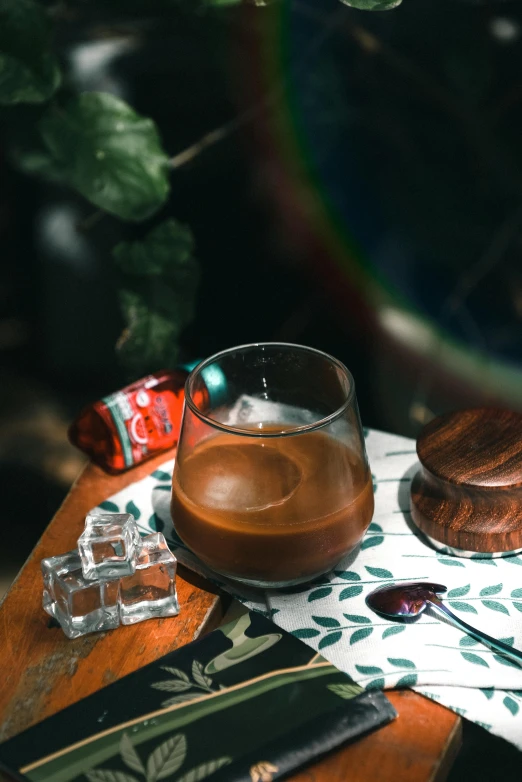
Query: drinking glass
271, 483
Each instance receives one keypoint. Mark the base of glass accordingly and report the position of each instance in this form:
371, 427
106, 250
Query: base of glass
262, 584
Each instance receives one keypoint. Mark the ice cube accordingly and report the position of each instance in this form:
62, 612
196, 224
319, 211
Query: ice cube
109, 545
151, 591
79, 605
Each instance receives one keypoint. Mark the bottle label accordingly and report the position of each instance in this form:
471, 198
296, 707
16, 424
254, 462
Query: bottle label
145, 420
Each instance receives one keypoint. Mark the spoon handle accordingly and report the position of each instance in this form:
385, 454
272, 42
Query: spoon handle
498, 646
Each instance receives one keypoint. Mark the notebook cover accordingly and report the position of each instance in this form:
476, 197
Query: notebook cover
246, 703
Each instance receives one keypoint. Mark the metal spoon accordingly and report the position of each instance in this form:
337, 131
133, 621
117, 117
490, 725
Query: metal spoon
408, 600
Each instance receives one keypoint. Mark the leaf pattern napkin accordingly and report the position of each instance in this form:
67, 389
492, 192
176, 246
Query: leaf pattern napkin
430, 655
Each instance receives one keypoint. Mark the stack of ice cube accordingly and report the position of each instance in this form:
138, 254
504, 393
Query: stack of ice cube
114, 577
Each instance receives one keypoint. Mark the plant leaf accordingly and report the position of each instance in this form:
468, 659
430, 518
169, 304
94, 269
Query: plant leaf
374, 527
352, 591
345, 691
133, 509
167, 758
410, 680
109, 153
474, 658
361, 620
368, 669
159, 475
109, 506
156, 523
459, 591
491, 590
459, 605
376, 684
317, 594
505, 661
451, 562
29, 70
330, 639
487, 691
379, 572
347, 575
511, 704
129, 755
204, 770
401, 662
376, 540
518, 606
326, 621
175, 685
393, 630
467, 640
305, 632
494, 605
359, 635
189, 696
199, 677
106, 775
177, 672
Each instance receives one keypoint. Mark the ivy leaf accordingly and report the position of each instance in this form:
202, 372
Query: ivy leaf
352, 591
373, 5
347, 575
109, 153
474, 658
204, 770
379, 572
156, 523
491, 590
177, 672
362, 620
199, 677
159, 475
129, 755
317, 594
166, 758
459, 591
494, 605
393, 630
376, 540
368, 669
511, 704
29, 70
177, 685
401, 662
106, 775
158, 295
133, 509
109, 506
326, 621
410, 680
330, 639
305, 632
459, 605
451, 562
360, 635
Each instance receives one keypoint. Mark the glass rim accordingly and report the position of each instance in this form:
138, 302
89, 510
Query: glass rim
319, 424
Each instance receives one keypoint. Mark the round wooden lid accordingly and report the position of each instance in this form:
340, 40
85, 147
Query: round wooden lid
468, 494
479, 447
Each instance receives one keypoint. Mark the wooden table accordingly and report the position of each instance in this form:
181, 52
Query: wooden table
44, 672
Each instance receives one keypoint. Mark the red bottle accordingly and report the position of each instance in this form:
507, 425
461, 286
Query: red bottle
133, 424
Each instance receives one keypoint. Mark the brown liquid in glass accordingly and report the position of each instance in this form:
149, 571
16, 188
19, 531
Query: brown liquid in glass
272, 510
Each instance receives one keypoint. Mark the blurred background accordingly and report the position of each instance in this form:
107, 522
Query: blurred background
360, 192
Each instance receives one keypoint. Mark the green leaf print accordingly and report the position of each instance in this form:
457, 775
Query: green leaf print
505, 661
204, 770
376, 684
410, 680
129, 755
481, 560
360, 635
317, 594
171, 685
511, 705
495, 606
345, 691
451, 562
156, 523
352, 591
177, 672
459, 591
488, 692
109, 506
401, 662
132, 508
361, 620
371, 542
518, 606
105, 775
305, 632
474, 658
510, 640
378, 572
330, 639
159, 475
467, 640
374, 527
326, 621
347, 575
167, 758
393, 630
459, 605
494, 589
516, 593
512, 560
368, 669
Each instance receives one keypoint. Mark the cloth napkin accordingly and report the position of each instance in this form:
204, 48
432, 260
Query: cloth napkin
430, 655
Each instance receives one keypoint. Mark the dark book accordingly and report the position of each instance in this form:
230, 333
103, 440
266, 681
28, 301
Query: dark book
246, 703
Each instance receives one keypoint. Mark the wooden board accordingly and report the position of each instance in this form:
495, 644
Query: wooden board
43, 671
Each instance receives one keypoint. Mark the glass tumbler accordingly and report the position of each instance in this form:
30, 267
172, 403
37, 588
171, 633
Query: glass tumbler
271, 483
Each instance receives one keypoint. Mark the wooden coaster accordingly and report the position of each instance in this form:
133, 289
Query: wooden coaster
467, 496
